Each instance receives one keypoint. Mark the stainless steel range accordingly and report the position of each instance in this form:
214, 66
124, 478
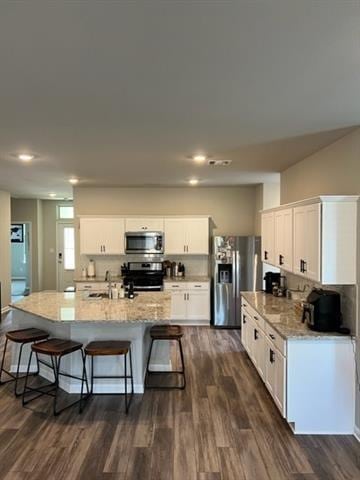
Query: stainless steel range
145, 276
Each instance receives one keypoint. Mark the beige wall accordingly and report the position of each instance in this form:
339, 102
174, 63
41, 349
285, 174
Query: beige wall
5, 251
333, 170
232, 209
259, 205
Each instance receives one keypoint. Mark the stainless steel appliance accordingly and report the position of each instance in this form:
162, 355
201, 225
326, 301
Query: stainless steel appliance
236, 267
144, 276
144, 242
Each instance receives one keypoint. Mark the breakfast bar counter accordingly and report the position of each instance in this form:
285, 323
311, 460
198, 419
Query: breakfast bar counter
78, 317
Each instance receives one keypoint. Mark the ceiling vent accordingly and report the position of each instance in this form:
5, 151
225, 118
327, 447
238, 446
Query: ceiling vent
219, 163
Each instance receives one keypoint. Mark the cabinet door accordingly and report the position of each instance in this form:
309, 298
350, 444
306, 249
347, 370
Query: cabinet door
280, 382
178, 305
299, 239
268, 238
198, 305
113, 233
91, 236
174, 236
244, 329
197, 236
139, 224
283, 221
270, 367
312, 242
259, 351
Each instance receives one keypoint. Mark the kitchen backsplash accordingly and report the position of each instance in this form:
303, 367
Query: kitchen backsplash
347, 293
194, 265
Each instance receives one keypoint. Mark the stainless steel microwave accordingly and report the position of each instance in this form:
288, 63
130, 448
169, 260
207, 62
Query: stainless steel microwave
144, 242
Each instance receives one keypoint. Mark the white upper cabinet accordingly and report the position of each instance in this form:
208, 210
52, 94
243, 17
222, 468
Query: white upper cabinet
284, 238
186, 236
316, 239
102, 236
268, 240
140, 224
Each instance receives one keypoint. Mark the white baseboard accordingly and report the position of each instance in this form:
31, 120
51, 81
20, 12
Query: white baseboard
357, 433
5, 309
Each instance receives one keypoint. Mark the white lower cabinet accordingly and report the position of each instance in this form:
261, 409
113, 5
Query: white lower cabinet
265, 348
190, 302
308, 377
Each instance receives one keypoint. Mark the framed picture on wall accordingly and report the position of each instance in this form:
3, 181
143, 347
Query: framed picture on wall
17, 233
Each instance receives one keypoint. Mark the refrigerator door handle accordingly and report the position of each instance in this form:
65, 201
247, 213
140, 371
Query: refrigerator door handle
255, 267
237, 273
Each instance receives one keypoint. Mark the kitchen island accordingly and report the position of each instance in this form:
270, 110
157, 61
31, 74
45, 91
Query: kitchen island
78, 317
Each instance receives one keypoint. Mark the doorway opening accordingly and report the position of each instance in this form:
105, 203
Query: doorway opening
20, 260
65, 256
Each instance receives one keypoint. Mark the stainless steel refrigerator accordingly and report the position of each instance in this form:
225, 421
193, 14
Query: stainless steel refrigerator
236, 267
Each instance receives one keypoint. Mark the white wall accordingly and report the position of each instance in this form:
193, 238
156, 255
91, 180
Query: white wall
334, 170
5, 255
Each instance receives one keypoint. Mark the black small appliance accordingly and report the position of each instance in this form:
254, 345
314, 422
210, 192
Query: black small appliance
270, 278
322, 311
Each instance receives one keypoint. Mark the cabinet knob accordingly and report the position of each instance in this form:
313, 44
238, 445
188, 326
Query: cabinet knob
272, 356
281, 259
255, 334
272, 336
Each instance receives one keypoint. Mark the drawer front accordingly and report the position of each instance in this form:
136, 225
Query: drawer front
259, 321
91, 287
198, 285
175, 286
276, 339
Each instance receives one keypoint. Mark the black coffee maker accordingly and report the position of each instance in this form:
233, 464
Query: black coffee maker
322, 311
270, 278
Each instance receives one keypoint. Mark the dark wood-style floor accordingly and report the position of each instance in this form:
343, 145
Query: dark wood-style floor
223, 426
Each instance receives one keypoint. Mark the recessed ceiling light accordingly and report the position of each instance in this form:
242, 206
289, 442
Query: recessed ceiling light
194, 181
52, 194
25, 157
73, 181
199, 158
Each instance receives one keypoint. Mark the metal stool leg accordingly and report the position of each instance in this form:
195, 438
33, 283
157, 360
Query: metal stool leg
26, 379
3, 360
56, 372
182, 364
17, 372
148, 363
132, 374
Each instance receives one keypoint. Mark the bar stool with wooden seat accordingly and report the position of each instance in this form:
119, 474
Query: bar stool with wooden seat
172, 333
22, 337
56, 349
110, 348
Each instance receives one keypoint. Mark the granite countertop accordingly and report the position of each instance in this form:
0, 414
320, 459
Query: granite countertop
100, 279
281, 314
187, 278
147, 307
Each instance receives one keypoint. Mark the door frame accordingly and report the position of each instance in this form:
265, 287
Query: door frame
58, 223
29, 225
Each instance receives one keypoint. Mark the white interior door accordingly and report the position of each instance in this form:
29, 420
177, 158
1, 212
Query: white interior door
65, 255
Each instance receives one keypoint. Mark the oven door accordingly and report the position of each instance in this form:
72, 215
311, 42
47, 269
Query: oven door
144, 242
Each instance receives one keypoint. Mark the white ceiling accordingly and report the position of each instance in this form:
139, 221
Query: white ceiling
119, 93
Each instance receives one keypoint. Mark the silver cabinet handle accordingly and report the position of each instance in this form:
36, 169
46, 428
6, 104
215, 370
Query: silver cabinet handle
256, 318
272, 336
188, 296
184, 296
